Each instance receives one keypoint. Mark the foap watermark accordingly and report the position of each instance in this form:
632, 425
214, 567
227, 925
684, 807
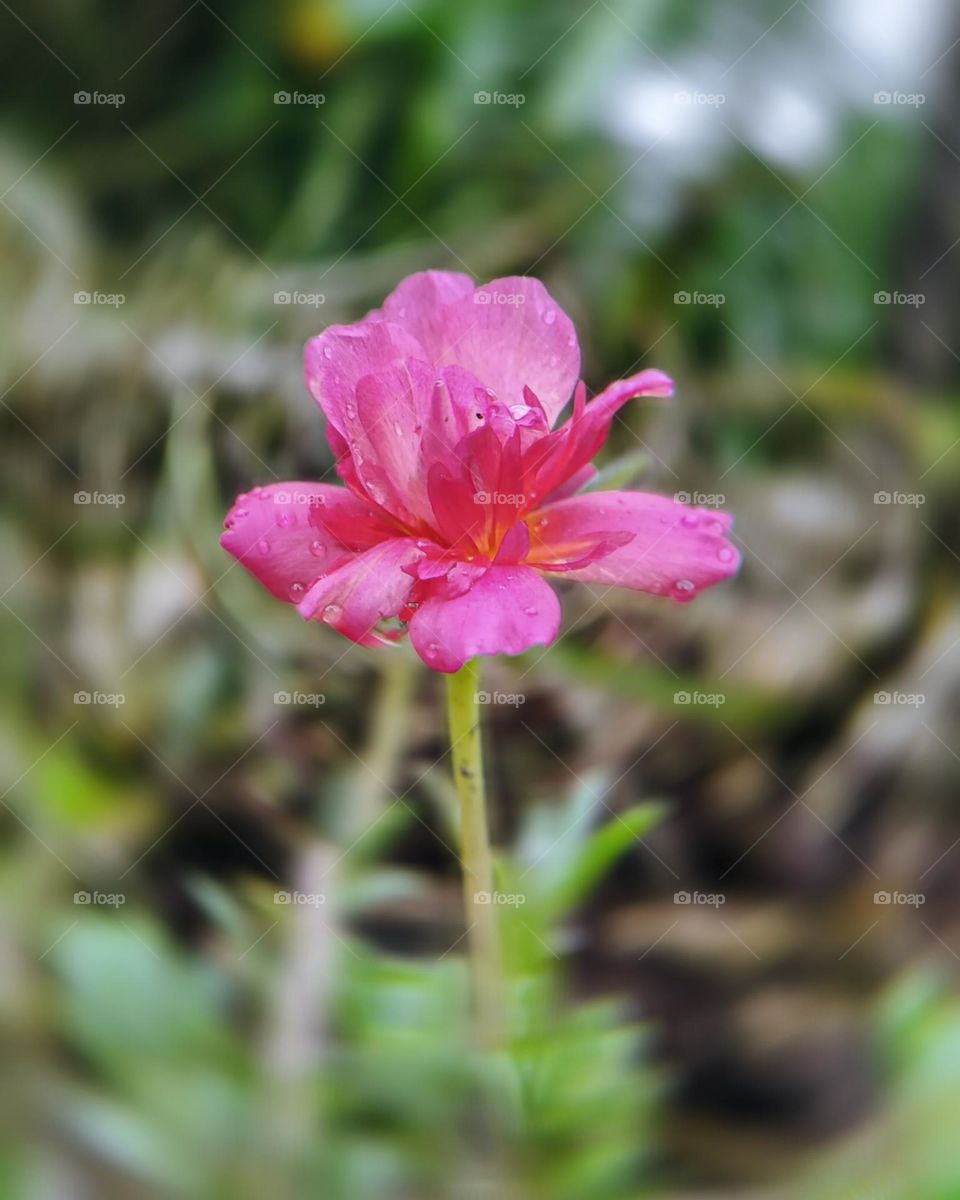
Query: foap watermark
100, 499
100, 699
300, 99
701, 499
705, 899
306, 699
306, 499
100, 99
508, 99
702, 699
300, 899
100, 299
704, 99
900, 299
495, 298
511, 699
900, 499
505, 899
100, 899
900, 699
900, 899
303, 299
900, 99
703, 299
509, 499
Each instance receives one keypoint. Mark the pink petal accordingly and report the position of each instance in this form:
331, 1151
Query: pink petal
507, 611
564, 453
385, 431
368, 588
288, 533
336, 360
417, 305
675, 550
511, 334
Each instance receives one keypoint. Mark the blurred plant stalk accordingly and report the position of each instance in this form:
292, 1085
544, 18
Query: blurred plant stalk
476, 857
295, 1038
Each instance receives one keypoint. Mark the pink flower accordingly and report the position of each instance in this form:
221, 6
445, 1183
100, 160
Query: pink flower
461, 498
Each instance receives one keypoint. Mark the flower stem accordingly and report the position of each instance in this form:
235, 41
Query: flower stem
476, 857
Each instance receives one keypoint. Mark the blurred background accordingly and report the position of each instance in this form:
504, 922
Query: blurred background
230, 933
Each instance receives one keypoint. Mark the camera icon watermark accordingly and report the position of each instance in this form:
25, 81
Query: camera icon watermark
900, 99
900, 499
100, 699
511, 699
100, 99
507, 499
900, 299
900, 899
100, 899
900, 699
704, 699
300, 99
704, 99
501, 899
701, 499
305, 299
703, 299
506, 99
300, 899
305, 699
705, 899
100, 499
100, 299
499, 298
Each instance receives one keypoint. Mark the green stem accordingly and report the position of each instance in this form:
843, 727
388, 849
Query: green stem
476, 857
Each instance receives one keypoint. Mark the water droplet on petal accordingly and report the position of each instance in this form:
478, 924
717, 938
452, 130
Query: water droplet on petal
296, 592
398, 429
549, 316
285, 519
691, 520
542, 523
242, 512
432, 650
375, 491
490, 392
725, 554
351, 411
332, 612
683, 587
318, 549
327, 352
531, 612
263, 546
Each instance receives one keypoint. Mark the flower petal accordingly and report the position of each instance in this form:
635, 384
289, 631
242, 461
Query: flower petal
675, 550
555, 459
288, 533
337, 359
368, 588
418, 304
506, 611
512, 334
